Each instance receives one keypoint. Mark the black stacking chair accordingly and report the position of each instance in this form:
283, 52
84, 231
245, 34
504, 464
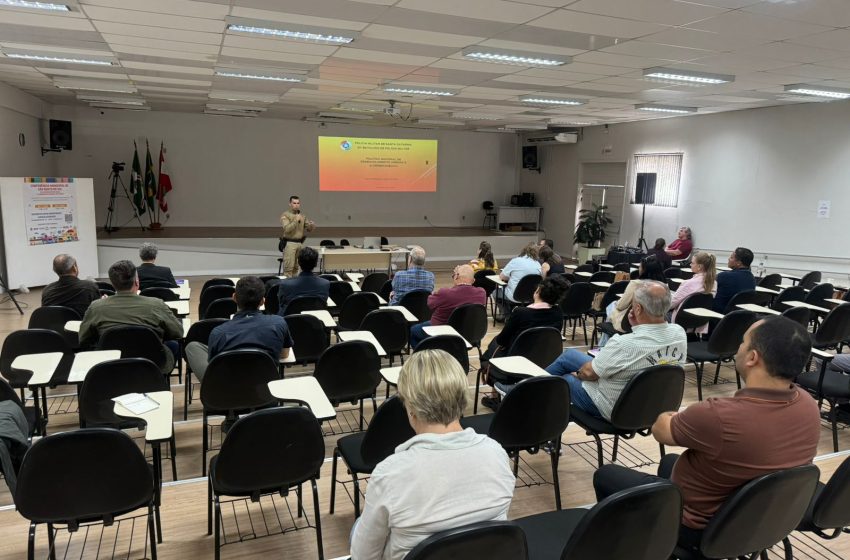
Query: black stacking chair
523, 293
32, 413
110, 478
722, 345
355, 309
198, 332
269, 278
493, 540
235, 383
834, 329
639, 523
101, 285
327, 243
481, 281
386, 290
673, 272
211, 294
390, 329
309, 336
798, 314
810, 280
759, 515
602, 276
449, 343
818, 294
272, 304
535, 413
374, 281
362, 451
339, 292
576, 304
771, 281
794, 293
330, 277
349, 372
217, 282
622, 267
615, 289
53, 318
692, 322
654, 390
747, 296
305, 303
470, 321
578, 278
221, 308
417, 303
134, 341
252, 464
165, 294
344, 242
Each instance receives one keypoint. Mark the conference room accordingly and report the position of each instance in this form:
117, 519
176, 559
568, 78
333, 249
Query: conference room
603, 126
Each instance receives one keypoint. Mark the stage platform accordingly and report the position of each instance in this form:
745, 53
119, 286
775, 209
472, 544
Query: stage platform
191, 251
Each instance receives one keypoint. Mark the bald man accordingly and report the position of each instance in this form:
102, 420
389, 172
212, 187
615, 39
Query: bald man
444, 301
69, 290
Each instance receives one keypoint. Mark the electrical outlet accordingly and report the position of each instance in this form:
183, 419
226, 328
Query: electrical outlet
349, 217
426, 217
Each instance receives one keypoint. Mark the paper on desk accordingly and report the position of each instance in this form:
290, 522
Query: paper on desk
137, 403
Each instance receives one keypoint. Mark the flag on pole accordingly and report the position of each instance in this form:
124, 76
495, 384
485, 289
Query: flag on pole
136, 188
150, 182
164, 181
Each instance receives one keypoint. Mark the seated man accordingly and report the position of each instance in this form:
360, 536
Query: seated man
69, 290
771, 424
414, 278
151, 274
126, 307
249, 328
444, 301
551, 244
596, 383
739, 279
305, 284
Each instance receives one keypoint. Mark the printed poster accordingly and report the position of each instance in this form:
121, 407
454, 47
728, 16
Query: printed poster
50, 208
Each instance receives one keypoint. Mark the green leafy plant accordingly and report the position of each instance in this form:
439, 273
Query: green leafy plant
590, 230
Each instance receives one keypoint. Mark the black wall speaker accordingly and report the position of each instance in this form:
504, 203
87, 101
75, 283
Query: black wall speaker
60, 135
529, 157
645, 188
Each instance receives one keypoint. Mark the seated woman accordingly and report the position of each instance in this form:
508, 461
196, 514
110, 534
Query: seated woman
441, 478
549, 262
518, 267
682, 246
659, 253
649, 269
485, 259
704, 281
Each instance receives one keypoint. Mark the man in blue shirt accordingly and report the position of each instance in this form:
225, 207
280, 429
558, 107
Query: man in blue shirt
414, 278
305, 284
739, 279
249, 328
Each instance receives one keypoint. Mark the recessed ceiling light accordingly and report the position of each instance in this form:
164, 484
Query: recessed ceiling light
95, 85
477, 116
818, 91
62, 59
564, 122
687, 76
226, 74
541, 100
656, 108
514, 57
35, 5
312, 37
418, 91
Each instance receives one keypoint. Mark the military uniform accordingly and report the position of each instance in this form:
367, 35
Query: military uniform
294, 229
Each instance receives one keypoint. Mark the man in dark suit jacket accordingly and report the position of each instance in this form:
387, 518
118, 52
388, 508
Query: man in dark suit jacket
739, 279
150, 274
306, 283
69, 290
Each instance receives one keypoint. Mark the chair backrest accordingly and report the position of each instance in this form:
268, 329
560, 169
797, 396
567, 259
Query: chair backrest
470, 320
602, 276
355, 308
760, 514
329, 277
536, 411
525, 288
390, 328
109, 472
165, 294
417, 303
53, 318
339, 292
688, 321
200, 331
481, 281
327, 243
7, 393
747, 296
622, 267
111, 379
217, 282
134, 341
809, 279
673, 272
615, 289
770, 281
818, 294
238, 380
270, 450
831, 509
451, 344
101, 285
798, 314
487, 205
386, 290
384, 241
344, 242
269, 278
494, 540
272, 304
584, 268
541, 345
835, 327
640, 523
793, 293
374, 281
578, 299
308, 336
212, 293
221, 308
729, 332
305, 303
652, 391
388, 429
28, 341
348, 371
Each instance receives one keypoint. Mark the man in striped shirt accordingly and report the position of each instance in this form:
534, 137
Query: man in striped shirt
415, 278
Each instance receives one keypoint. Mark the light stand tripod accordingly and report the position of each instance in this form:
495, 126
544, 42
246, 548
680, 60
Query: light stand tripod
115, 175
10, 294
642, 241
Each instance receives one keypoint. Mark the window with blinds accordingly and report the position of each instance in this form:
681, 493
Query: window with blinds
668, 170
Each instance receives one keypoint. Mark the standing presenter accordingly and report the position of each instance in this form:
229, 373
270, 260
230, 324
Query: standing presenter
295, 226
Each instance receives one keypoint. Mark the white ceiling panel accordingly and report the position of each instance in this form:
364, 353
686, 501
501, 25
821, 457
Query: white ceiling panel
492, 10
176, 81
793, 53
390, 33
159, 44
530, 47
278, 45
668, 12
68, 21
173, 68
837, 39
99, 13
190, 8
568, 20
272, 55
758, 25
164, 54
834, 13
699, 39
51, 49
118, 75
532, 80
385, 57
132, 30
621, 60
656, 50
283, 17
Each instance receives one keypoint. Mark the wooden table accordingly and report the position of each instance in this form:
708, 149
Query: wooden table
179, 306
517, 366
758, 308
703, 312
365, 336
84, 361
304, 390
436, 330
322, 315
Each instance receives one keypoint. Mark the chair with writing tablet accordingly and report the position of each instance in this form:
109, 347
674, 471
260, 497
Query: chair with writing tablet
810, 280
721, 346
374, 281
493, 540
199, 331
54, 317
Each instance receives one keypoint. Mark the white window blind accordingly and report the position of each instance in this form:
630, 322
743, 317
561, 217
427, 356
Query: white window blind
668, 170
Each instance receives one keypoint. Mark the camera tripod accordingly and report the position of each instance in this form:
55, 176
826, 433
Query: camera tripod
115, 175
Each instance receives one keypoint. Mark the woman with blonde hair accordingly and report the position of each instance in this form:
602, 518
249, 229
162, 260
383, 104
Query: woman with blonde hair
485, 259
704, 281
443, 477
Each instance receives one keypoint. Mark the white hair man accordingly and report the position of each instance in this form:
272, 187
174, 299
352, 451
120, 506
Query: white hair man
415, 278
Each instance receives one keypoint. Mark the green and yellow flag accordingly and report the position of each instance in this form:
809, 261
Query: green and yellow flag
150, 180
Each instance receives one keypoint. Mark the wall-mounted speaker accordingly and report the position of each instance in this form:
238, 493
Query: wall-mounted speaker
60, 135
645, 188
529, 158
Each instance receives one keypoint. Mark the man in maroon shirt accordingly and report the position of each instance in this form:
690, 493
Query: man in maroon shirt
770, 425
444, 301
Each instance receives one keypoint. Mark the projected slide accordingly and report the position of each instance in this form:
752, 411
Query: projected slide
377, 164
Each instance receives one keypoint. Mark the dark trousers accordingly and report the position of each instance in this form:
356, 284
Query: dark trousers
611, 479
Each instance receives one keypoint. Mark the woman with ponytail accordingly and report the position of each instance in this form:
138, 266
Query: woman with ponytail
704, 281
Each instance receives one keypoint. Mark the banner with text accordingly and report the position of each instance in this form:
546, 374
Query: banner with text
50, 211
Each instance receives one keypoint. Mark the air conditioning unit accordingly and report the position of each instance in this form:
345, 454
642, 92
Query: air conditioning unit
553, 138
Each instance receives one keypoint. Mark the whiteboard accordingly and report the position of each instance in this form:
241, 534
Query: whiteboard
32, 265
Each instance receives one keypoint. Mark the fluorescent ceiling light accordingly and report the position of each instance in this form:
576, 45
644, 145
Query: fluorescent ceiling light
119, 106
252, 97
541, 100
35, 5
95, 85
135, 103
688, 76
344, 116
572, 123
292, 34
526, 126
440, 122
417, 90
477, 116
519, 58
228, 74
62, 59
654, 107
234, 108
818, 91
362, 107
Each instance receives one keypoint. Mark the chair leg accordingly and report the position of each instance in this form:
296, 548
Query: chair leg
662, 449
356, 494
31, 543
554, 456
599, 456
833, 421
51, 542
361, 415
187, 389
151, 532
516, 464
173, 447
300, 494
217, 529
333, 480
204, 444
209, 506
698, 368
789, 550
616, 445
584, 330
717, 373
318, 519
478, 376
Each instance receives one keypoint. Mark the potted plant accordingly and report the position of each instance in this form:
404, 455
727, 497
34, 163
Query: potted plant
590, 231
